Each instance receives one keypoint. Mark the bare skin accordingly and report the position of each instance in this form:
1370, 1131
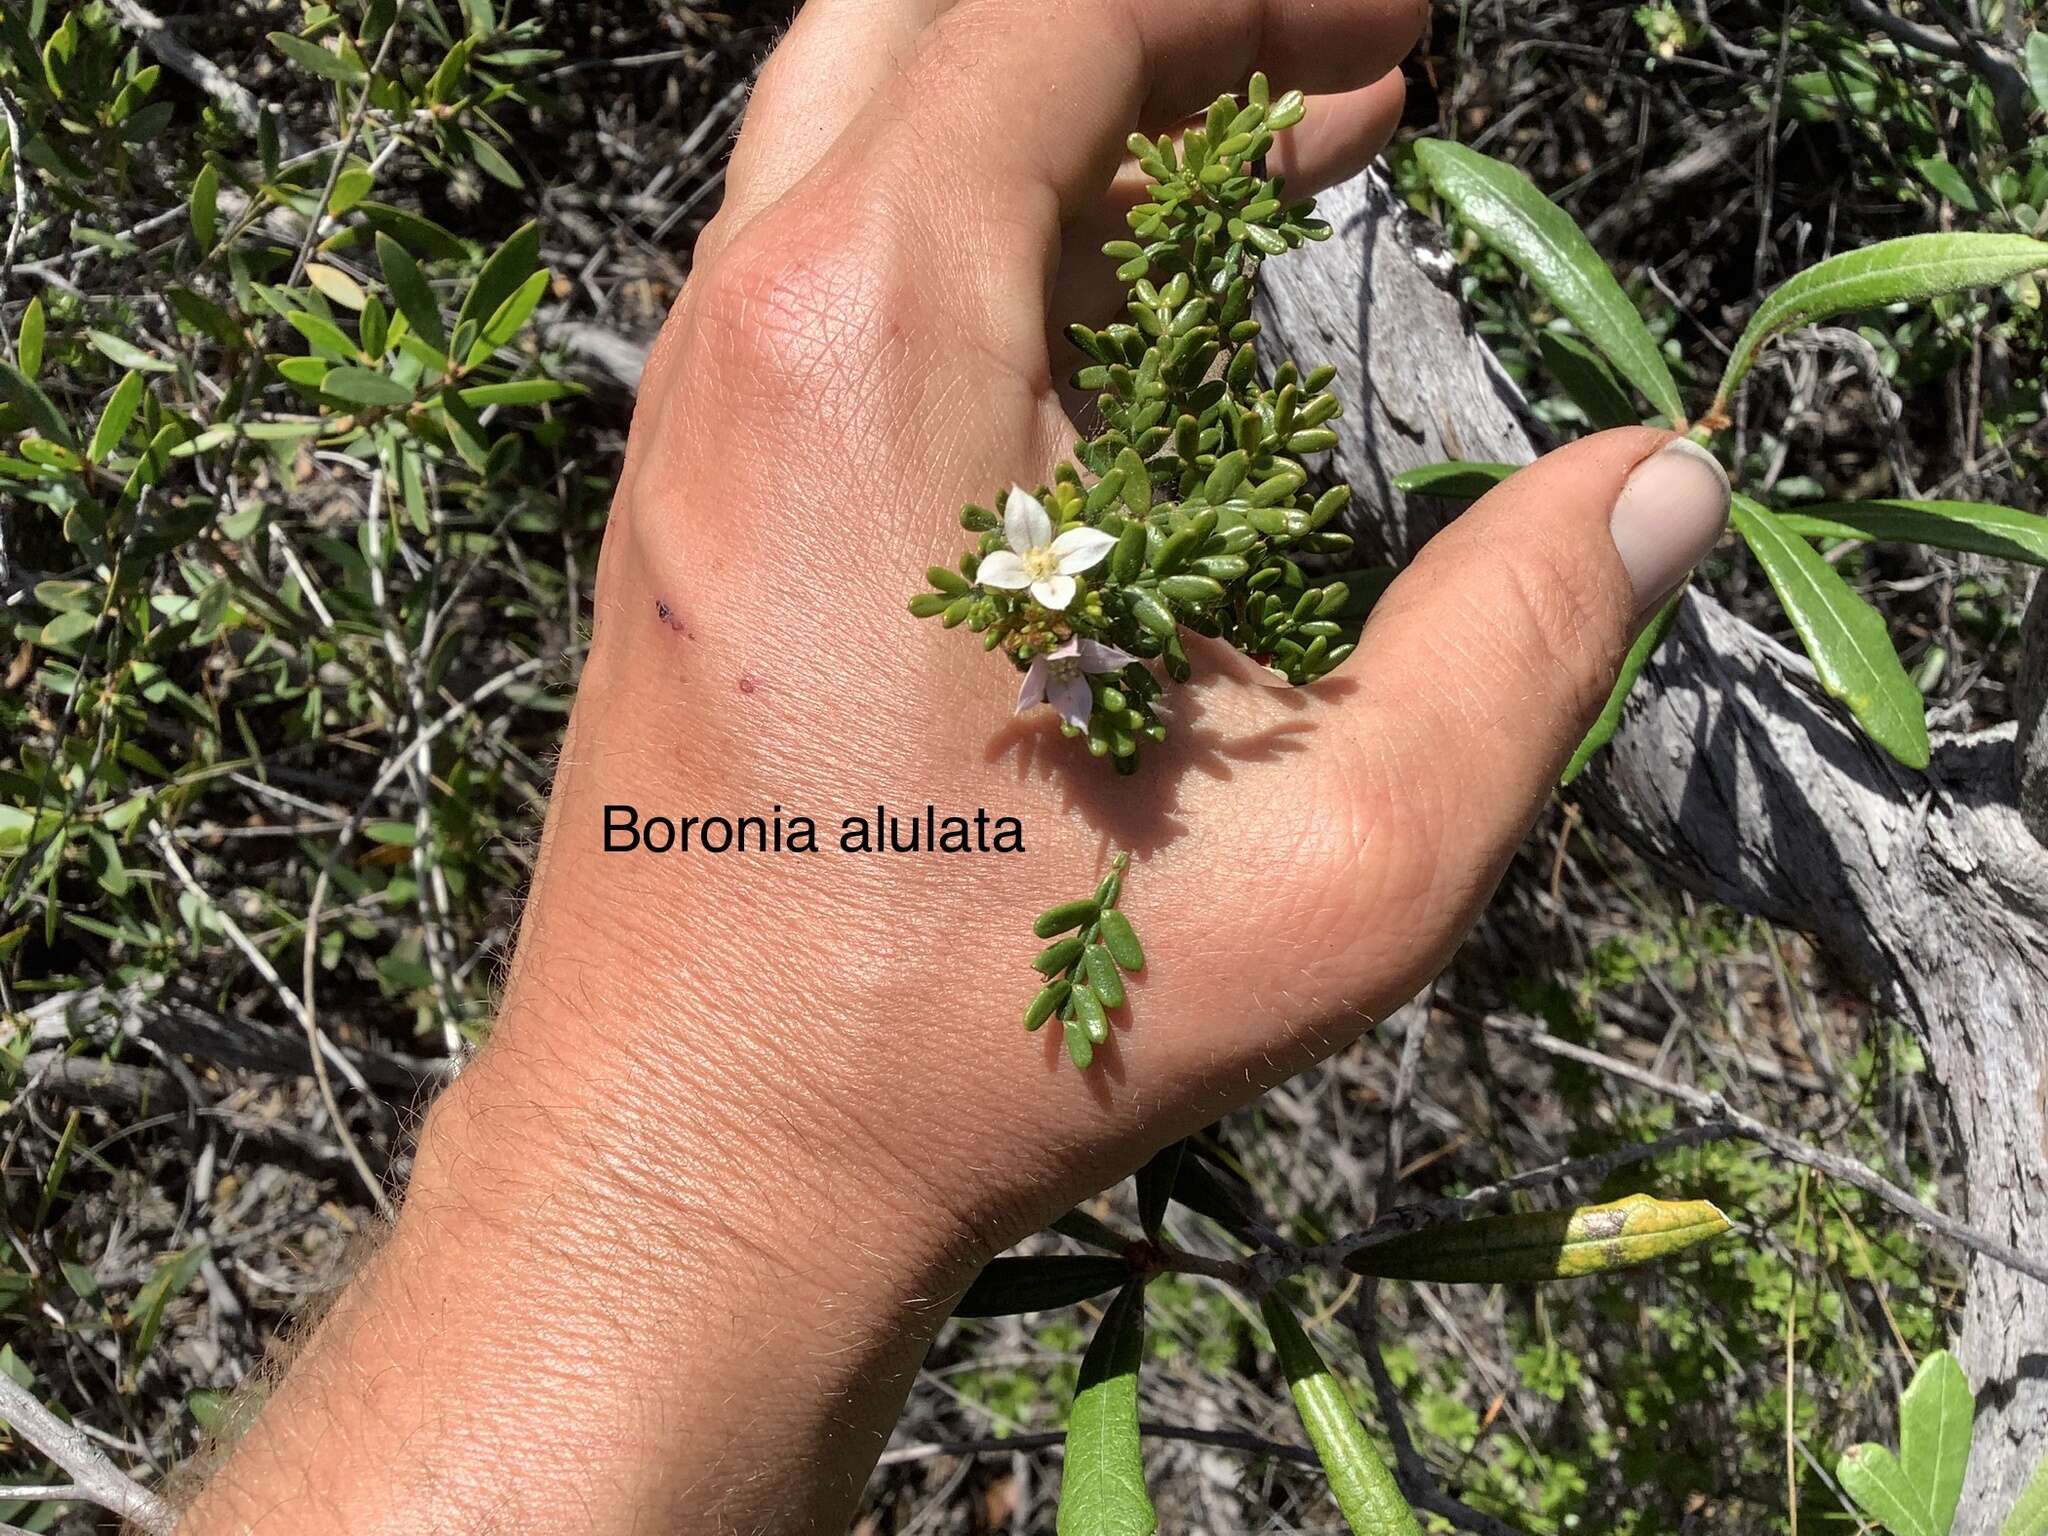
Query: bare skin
677, 1240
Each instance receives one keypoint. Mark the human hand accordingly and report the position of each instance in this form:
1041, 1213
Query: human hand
748, 1121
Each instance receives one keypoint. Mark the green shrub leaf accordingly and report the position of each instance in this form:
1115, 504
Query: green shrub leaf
1846, 637
365, 386
1364, 1489
321, 61
2002, 532
1102, 1492
2029, 1517
1039, 1284
27, 397
1539, 237
511, 264
1585, 377
1545, 1245
2037, 67
121, 408
1890, 272
1611, 712
1455, 481
1915, 1492
1155, 1185
410, 292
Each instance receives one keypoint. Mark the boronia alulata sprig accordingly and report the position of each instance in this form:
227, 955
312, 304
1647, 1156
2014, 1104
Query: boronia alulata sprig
1092, 944
1200, 504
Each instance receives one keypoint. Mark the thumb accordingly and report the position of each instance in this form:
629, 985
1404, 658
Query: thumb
1489, 658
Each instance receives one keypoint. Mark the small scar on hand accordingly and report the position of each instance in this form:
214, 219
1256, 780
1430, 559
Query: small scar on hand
670, 617
747, 684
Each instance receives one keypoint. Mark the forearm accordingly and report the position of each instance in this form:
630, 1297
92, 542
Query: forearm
626, 1292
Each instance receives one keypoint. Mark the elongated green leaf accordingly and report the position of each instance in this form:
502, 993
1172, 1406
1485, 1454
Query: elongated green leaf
510, 265
2003, 532
1846, 638
1155, 1185
1458, 480
1890, 272
28, 344
204, 205
506, 320
327, 338
1545, 1245
170, 1277
519, 392
322, 62
2037, 67
1040, 1284
1365, 1490
1585, 377
121, 408
1083, 1228
1102, 1492
27, 397
410, 292
1517, 220
1915, 1492
126, 353
2029, 1516
365, 386
1611, 712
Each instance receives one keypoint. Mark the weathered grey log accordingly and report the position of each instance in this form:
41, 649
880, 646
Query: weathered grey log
1734, 776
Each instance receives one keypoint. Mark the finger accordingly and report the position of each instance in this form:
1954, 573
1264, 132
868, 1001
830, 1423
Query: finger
1013, 114
826, 69
1487, 660
1335, 141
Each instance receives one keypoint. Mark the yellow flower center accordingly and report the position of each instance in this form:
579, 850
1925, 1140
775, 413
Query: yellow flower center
1041, 563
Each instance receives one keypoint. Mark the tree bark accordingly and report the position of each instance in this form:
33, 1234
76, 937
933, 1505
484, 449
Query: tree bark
1734, 776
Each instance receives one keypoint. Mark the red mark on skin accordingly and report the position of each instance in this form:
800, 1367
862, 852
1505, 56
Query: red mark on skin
747, 684
670, 617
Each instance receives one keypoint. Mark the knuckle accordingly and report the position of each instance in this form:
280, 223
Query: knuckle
803, 299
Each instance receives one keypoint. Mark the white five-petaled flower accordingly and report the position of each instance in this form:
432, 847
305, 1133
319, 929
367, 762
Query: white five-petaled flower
1059, 677
1036, 559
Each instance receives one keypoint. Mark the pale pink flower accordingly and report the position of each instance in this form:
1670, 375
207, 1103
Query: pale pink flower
1036, 559
1059, 677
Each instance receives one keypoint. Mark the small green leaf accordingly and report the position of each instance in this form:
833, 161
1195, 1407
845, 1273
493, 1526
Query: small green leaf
205, 204
2002, 532
1121, 940
1155, 1185
326, 338
1010, 1286
2037, 67
121, 407
1057, 957
322, 62
126, 353
2029, 1517
1083, 1228
1915, 1492
1846, 638
1585, 377
1941, 174
1455, 481
1544, 1245
1051, 997
170, 1277
67, 627
1102, 1492
519, 392
28, 343
510, 265
1088, 1011
1067, 915
28, 398
510, 316
1539, 237
1363, 1487
409, 290
365, 386
1890, 272
1103, 979
1611, 712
